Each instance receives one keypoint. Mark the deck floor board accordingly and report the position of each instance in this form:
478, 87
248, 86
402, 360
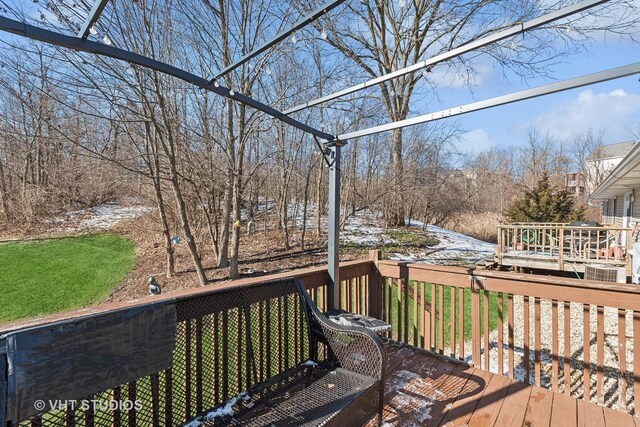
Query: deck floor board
426, 390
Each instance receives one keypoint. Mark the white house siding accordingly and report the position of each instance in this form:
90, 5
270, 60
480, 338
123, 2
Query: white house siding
616, 219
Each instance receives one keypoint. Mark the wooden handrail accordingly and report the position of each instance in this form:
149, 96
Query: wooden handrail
497, 303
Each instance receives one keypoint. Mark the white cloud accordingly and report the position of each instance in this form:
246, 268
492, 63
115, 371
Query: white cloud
456, 77
617, 113
475, 141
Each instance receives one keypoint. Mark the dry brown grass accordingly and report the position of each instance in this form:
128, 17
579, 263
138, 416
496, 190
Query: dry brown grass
479, 225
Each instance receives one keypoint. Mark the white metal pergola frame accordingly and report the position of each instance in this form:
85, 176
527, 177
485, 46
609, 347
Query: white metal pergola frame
329, 144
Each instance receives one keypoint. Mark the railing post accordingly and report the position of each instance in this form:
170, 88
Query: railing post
475, 318
375, 286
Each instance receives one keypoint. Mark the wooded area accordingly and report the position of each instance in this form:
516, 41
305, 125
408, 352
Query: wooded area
77, 130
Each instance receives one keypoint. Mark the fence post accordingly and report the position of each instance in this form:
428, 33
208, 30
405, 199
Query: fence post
375, 286
560, 249
475, 318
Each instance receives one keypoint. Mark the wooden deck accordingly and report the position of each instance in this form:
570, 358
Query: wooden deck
423, 390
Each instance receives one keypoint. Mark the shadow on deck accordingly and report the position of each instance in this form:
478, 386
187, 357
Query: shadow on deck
425, 390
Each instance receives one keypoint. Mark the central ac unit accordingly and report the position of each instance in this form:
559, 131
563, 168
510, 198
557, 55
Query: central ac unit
605, 273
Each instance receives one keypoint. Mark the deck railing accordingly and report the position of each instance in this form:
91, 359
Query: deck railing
543, 330
563, 243
210, 363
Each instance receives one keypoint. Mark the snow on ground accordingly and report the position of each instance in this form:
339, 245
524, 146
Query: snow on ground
364, 229
454, 248
101, 217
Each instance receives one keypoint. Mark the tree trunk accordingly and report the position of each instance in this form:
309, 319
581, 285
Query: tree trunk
3, 193
223, 258
234, 270
186, 228
166, 233
305, 204
395, 215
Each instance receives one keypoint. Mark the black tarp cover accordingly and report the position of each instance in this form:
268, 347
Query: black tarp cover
71, 359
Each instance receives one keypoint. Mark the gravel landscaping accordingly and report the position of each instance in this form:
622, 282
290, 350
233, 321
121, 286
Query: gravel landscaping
612, 380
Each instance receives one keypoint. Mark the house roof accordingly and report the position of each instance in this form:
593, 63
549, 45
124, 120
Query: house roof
616, 150
624, 177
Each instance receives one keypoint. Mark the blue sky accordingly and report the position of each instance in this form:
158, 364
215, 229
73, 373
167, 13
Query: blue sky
612, 107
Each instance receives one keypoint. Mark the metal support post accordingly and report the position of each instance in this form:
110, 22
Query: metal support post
333, 267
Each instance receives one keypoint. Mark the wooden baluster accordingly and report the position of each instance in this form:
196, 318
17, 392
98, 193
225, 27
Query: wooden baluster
567, 347
356, 295
554, 345
600, 349
526, 340
286, 331
487, 347
561, 249
636, 361
352, 294
366, 301
416, 333
400, 297
424, 330
383, 300
500, 334
441, 319
510, 333
537, 342
433, 316
132, 397
155, 399
405, 283
89, 414
199, 364
461, 323
452, 326
586, 369
187, 369
475, 325
359, 304
622, 349
426, 326
117, 416
267, 344
280, 333
216, 359
390, 304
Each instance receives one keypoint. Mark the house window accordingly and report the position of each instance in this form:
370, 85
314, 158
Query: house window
605, 209
615, 209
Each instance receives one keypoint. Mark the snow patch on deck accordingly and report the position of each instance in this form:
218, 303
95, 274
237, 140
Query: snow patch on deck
412, 394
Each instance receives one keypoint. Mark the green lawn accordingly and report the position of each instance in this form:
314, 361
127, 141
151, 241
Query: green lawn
43, 277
